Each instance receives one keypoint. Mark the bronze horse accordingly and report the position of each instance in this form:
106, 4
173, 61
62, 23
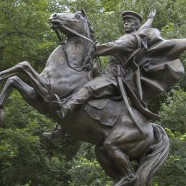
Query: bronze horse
67, 70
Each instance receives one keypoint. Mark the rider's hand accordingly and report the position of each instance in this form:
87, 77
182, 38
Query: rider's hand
96, 43
152, 14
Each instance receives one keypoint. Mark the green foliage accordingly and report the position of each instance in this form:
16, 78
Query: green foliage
174, 111
89, 173
85, 170
173, 171
24, 32
26, 158
23, 153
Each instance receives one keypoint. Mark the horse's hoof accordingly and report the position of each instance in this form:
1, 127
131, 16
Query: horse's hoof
2, 114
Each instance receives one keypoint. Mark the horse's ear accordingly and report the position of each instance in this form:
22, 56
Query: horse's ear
83, 12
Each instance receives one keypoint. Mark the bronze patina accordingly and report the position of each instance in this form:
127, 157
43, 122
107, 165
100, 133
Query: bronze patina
109, 111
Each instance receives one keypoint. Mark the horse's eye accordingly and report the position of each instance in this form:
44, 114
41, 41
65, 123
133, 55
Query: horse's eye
77, 16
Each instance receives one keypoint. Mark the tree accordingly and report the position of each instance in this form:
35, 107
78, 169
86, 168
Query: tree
26, 35
24, 32
173, 113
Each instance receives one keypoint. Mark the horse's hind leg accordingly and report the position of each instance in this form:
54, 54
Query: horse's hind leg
120, 159
38, 82
27, 92
106, 163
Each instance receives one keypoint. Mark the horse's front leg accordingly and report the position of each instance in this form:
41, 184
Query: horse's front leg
27, 92
39, 83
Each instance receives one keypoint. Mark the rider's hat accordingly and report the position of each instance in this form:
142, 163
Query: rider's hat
131, 14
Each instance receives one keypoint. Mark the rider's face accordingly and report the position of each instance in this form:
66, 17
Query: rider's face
130, 25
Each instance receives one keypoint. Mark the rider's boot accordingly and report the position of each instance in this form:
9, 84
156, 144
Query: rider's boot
78, 99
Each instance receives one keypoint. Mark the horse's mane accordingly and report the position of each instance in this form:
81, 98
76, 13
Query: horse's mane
91, 30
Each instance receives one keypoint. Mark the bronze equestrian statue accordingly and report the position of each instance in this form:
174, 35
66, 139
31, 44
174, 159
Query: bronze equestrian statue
112, 112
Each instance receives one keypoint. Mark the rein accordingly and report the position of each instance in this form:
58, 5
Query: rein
76, 33
79, 35
72, 31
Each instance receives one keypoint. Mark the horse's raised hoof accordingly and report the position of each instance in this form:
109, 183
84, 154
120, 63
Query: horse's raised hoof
2, 114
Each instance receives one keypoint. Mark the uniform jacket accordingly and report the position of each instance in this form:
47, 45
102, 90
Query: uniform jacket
149, 63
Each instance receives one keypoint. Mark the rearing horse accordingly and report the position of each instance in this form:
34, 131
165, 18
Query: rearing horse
67, 70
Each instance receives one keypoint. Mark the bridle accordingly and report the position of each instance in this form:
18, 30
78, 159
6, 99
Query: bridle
89, 55
76, 33
72, 31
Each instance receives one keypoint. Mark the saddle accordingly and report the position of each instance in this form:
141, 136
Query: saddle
106, 111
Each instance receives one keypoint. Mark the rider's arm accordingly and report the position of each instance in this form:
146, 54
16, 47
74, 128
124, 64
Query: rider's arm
124, 44
148, 24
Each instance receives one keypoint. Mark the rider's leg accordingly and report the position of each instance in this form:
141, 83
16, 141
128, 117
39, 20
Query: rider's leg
73, 103
106, 163
86, 93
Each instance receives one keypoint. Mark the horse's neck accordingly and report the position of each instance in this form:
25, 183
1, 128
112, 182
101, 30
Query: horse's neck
76, 50
57, 57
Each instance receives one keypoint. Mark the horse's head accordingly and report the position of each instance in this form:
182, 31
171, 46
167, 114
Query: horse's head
80, 38
72, 24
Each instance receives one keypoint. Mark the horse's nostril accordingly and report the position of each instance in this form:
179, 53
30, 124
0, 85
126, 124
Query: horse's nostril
55, 15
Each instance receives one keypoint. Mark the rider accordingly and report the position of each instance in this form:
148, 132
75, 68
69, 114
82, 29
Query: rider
121, 50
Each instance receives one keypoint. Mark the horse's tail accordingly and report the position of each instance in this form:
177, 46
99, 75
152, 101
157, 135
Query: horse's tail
155, 157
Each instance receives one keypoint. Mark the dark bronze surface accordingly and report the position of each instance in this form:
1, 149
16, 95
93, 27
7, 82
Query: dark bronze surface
142, 64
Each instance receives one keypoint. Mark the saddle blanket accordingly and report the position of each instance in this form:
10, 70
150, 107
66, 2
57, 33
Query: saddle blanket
104, 110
